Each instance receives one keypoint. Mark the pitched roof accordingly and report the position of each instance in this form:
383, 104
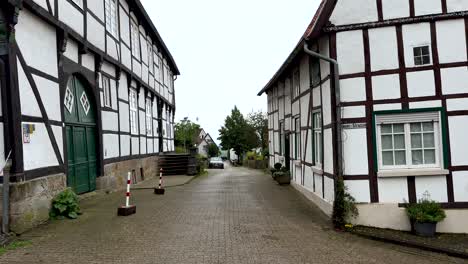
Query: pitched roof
313, 30
140, 11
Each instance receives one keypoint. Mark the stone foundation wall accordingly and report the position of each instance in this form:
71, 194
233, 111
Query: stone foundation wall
30, 201
115, 174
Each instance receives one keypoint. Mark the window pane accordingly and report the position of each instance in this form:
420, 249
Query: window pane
387, 142
417, 157
386, 129
398, 128
426, 59
415, 127
429, 141
417, 51
387, 158
429, 157
399, 141
429, 126
425, 50
400, 158
416, 141
418, 61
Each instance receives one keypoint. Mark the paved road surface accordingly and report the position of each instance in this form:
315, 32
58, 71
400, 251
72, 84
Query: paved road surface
231, 216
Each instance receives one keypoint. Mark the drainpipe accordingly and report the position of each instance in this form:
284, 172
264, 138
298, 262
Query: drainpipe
336, 77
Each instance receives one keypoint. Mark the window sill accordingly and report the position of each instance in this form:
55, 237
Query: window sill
317, 170
412, 172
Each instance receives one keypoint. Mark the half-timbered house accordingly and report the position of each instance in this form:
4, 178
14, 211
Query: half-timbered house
87, 89
376, 92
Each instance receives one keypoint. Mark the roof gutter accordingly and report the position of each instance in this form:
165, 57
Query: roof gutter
338, 122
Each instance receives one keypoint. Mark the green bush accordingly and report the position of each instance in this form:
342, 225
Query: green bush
201, 164
344, 206
180, 150
280, 174
426, 211
251, 155
260, 158
65, 204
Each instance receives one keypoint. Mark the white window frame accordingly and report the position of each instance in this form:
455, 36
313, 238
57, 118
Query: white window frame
297, 138
410, 169
296, 83
156, 65
69, 100
282, 138
111, 17
149, 117
150, 57
133, 106
318, 138
135, 36
107, 93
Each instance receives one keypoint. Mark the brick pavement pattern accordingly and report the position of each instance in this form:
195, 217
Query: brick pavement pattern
232, 216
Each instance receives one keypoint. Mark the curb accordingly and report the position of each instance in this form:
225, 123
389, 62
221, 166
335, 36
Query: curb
449, 252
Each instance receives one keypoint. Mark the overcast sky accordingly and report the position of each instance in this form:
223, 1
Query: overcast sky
227, 51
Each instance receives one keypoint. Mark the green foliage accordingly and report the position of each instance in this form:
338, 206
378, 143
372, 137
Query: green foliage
344, 206
201, 164
426, 211
259, 121
65, 204
280, 174
213, 150
238, 134
180, 150
278, 166
186, 132
14, 245
251, 155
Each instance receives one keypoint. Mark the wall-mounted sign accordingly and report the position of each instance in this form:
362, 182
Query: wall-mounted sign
354, 126
28, 130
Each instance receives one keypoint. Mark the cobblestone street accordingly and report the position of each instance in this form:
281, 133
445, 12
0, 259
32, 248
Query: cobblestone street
231, 216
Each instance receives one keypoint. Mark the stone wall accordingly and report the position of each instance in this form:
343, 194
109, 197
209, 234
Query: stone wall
30, 201
115, 174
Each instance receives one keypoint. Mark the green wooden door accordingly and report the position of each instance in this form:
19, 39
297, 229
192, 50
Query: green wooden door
81, 135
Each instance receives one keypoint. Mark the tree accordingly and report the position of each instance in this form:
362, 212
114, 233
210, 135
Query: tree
259, 121
213, 150
238, 134
185, 133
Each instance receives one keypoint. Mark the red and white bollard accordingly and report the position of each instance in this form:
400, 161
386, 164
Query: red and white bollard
127, 209
160, 190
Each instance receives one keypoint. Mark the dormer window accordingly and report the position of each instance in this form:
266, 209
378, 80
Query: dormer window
422, 55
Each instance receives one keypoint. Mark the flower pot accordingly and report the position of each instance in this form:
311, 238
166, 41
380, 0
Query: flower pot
283, 179
425, 229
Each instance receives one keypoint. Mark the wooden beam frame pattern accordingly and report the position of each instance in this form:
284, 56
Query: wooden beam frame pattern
37, 96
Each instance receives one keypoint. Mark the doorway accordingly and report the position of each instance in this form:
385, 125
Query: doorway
81, 134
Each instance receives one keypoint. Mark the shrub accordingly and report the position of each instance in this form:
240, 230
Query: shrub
426, 211
180, 150
278, 166
280, 174
65, 204
260, 157
344, 206
201, 164
251, 155
272, 170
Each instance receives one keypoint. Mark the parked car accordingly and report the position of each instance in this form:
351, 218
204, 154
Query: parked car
216, 162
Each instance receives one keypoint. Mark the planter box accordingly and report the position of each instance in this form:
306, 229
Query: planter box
425, 229
283, 180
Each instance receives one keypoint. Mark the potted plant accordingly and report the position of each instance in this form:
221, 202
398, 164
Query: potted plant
424, 216
282, 176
